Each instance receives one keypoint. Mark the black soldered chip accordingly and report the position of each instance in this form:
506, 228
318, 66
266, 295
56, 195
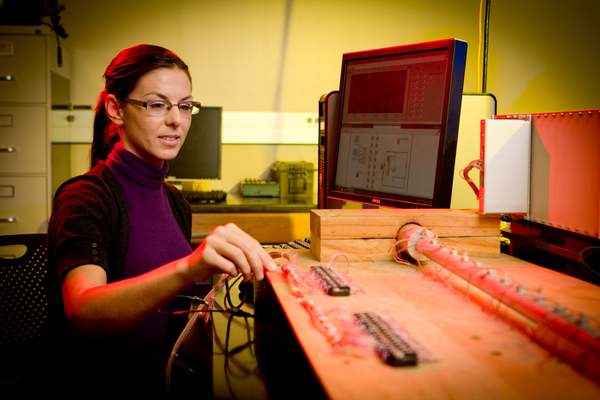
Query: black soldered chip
390, 347
333, 284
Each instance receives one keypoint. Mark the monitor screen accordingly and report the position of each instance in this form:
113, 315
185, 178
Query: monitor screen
398, 125
200, 155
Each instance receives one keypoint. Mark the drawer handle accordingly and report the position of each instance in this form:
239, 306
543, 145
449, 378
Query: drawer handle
8, 220
7, 78
7, 150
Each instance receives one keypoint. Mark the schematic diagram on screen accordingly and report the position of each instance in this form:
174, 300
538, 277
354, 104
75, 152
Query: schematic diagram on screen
388, 162
357, 163
379, 161
394, 169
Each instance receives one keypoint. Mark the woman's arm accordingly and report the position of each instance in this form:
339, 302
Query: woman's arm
96, 309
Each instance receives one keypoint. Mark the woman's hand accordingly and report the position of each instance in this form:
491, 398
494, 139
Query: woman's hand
230, 250
97, 309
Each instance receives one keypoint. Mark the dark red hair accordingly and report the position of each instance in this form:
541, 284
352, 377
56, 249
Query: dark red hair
121, 76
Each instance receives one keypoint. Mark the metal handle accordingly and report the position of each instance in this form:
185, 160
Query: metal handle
8, 220
7, 78
8, 150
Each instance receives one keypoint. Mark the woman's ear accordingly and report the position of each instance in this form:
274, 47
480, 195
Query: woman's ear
113, 109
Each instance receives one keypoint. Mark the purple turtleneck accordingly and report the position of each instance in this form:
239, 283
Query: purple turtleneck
155, 237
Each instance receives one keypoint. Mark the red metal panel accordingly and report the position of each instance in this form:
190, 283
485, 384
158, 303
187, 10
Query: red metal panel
565, 170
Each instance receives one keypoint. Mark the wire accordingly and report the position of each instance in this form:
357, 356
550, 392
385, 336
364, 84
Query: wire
585, 264
486, 40
483, 43
228, 295
57, 29
479, 47
464, 174
232, 310
208, 307
228, 371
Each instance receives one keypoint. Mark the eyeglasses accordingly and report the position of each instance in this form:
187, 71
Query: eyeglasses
162, 107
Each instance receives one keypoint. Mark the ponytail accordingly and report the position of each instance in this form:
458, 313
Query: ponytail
106, 134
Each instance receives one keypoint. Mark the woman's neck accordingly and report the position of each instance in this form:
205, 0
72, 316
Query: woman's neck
135, 172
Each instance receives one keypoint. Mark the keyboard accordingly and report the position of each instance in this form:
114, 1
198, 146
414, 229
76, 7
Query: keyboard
199, 196
298, 244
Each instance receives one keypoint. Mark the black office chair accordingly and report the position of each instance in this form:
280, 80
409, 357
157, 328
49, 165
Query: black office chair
26, 291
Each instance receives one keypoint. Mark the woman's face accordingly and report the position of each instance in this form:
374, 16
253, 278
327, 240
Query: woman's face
156, 138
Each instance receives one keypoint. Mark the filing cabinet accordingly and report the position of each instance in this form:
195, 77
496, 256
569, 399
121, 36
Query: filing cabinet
23, 132
28, 58
23, 204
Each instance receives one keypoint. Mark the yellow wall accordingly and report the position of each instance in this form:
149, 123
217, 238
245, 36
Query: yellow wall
282, 55
278, 55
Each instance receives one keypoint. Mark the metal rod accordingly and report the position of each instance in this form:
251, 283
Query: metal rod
486, 40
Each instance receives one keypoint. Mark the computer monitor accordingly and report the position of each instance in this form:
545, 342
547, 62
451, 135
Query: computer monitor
200, 155
398, 125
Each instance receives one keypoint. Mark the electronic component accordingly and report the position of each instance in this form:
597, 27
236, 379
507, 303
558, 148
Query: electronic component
297, 244
295, 178
390, 347
259, 188
333, 284
199, 196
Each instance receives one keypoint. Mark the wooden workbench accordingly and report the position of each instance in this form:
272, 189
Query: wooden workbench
477, 355
267, 228
268, 220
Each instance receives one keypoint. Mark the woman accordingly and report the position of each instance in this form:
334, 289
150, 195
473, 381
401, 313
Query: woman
119, 235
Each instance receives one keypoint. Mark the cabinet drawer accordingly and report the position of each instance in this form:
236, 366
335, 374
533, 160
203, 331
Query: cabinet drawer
23, 76
23, 139
23, 205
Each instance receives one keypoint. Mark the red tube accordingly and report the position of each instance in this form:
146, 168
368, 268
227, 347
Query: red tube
560, 333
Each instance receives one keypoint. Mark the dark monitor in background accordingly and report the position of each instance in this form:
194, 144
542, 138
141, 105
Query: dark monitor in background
200, 155
398, 125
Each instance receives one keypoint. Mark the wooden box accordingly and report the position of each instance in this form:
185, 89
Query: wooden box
369, 234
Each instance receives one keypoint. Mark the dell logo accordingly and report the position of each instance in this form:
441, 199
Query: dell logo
376, 201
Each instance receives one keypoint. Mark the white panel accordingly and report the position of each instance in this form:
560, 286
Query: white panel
270, 128
506, 157
237, 127
72, 126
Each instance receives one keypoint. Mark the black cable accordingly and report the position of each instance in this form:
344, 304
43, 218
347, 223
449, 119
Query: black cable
228, 296
56, 28
486, 39
585, 264
229, 356
236, 311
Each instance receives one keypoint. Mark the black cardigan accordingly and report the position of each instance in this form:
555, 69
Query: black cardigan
90, 223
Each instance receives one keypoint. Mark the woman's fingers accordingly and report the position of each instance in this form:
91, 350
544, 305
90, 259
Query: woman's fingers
260, 258
233, 251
